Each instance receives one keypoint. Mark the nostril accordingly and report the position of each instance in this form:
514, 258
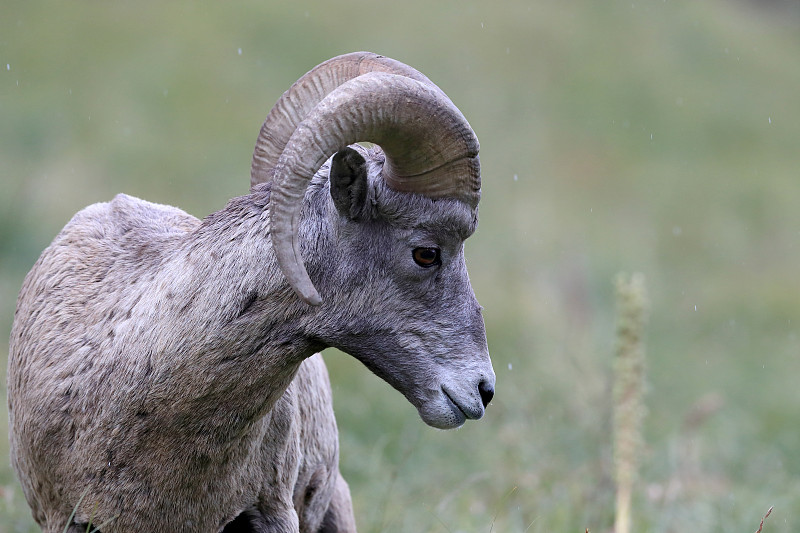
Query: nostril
487, 392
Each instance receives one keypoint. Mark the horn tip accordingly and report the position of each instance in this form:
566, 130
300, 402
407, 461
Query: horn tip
311, 297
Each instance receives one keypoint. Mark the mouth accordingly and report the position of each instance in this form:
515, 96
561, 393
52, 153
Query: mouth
460, 414
460, 409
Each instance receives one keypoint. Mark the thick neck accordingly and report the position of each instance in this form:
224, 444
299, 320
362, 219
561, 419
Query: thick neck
237, 333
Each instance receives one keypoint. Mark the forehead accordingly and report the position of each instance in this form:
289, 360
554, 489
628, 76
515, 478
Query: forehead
445, 217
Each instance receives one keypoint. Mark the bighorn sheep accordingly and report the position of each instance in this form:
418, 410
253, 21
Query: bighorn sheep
162, 374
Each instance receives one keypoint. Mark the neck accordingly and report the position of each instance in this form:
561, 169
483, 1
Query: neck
237, 333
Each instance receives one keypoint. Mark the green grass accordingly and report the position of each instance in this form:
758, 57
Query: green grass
655, 136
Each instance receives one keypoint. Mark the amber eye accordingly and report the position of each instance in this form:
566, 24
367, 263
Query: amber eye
426, 257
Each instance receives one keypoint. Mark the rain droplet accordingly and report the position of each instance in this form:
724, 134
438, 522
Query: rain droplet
516, 177
509, 366
240, 51
8, 66
770, 119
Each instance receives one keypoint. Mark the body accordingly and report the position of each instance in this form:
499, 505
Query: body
186, 408
162, 374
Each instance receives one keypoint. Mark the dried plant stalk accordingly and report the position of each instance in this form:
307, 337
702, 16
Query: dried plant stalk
629, 407
769, 511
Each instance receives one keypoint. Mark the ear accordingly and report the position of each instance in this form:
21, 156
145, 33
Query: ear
348, 177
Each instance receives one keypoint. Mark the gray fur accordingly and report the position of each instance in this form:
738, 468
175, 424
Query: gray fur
162, 367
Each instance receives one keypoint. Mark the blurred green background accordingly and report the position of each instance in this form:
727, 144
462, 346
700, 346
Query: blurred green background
656, 136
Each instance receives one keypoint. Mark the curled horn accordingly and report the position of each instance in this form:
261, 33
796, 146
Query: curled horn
295, 104
429, 146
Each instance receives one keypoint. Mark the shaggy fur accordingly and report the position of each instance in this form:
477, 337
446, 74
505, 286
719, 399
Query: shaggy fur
162, 374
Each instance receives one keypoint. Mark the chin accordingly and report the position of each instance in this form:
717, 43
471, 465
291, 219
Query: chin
442, 416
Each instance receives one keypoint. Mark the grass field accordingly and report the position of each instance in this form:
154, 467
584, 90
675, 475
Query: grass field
655, 136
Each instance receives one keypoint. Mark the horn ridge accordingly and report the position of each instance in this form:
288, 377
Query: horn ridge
295, 104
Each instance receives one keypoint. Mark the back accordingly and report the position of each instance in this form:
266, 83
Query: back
53, 370
97, 253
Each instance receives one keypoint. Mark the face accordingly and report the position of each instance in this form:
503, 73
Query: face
410, 315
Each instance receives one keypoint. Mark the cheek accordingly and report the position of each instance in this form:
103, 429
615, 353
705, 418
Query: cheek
414, 279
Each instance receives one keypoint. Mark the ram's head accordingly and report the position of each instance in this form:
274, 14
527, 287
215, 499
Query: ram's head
392, 275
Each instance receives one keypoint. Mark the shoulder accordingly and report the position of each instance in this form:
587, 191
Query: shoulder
128, 212
125, 220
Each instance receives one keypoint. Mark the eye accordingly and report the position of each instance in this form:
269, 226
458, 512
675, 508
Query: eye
426, 257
